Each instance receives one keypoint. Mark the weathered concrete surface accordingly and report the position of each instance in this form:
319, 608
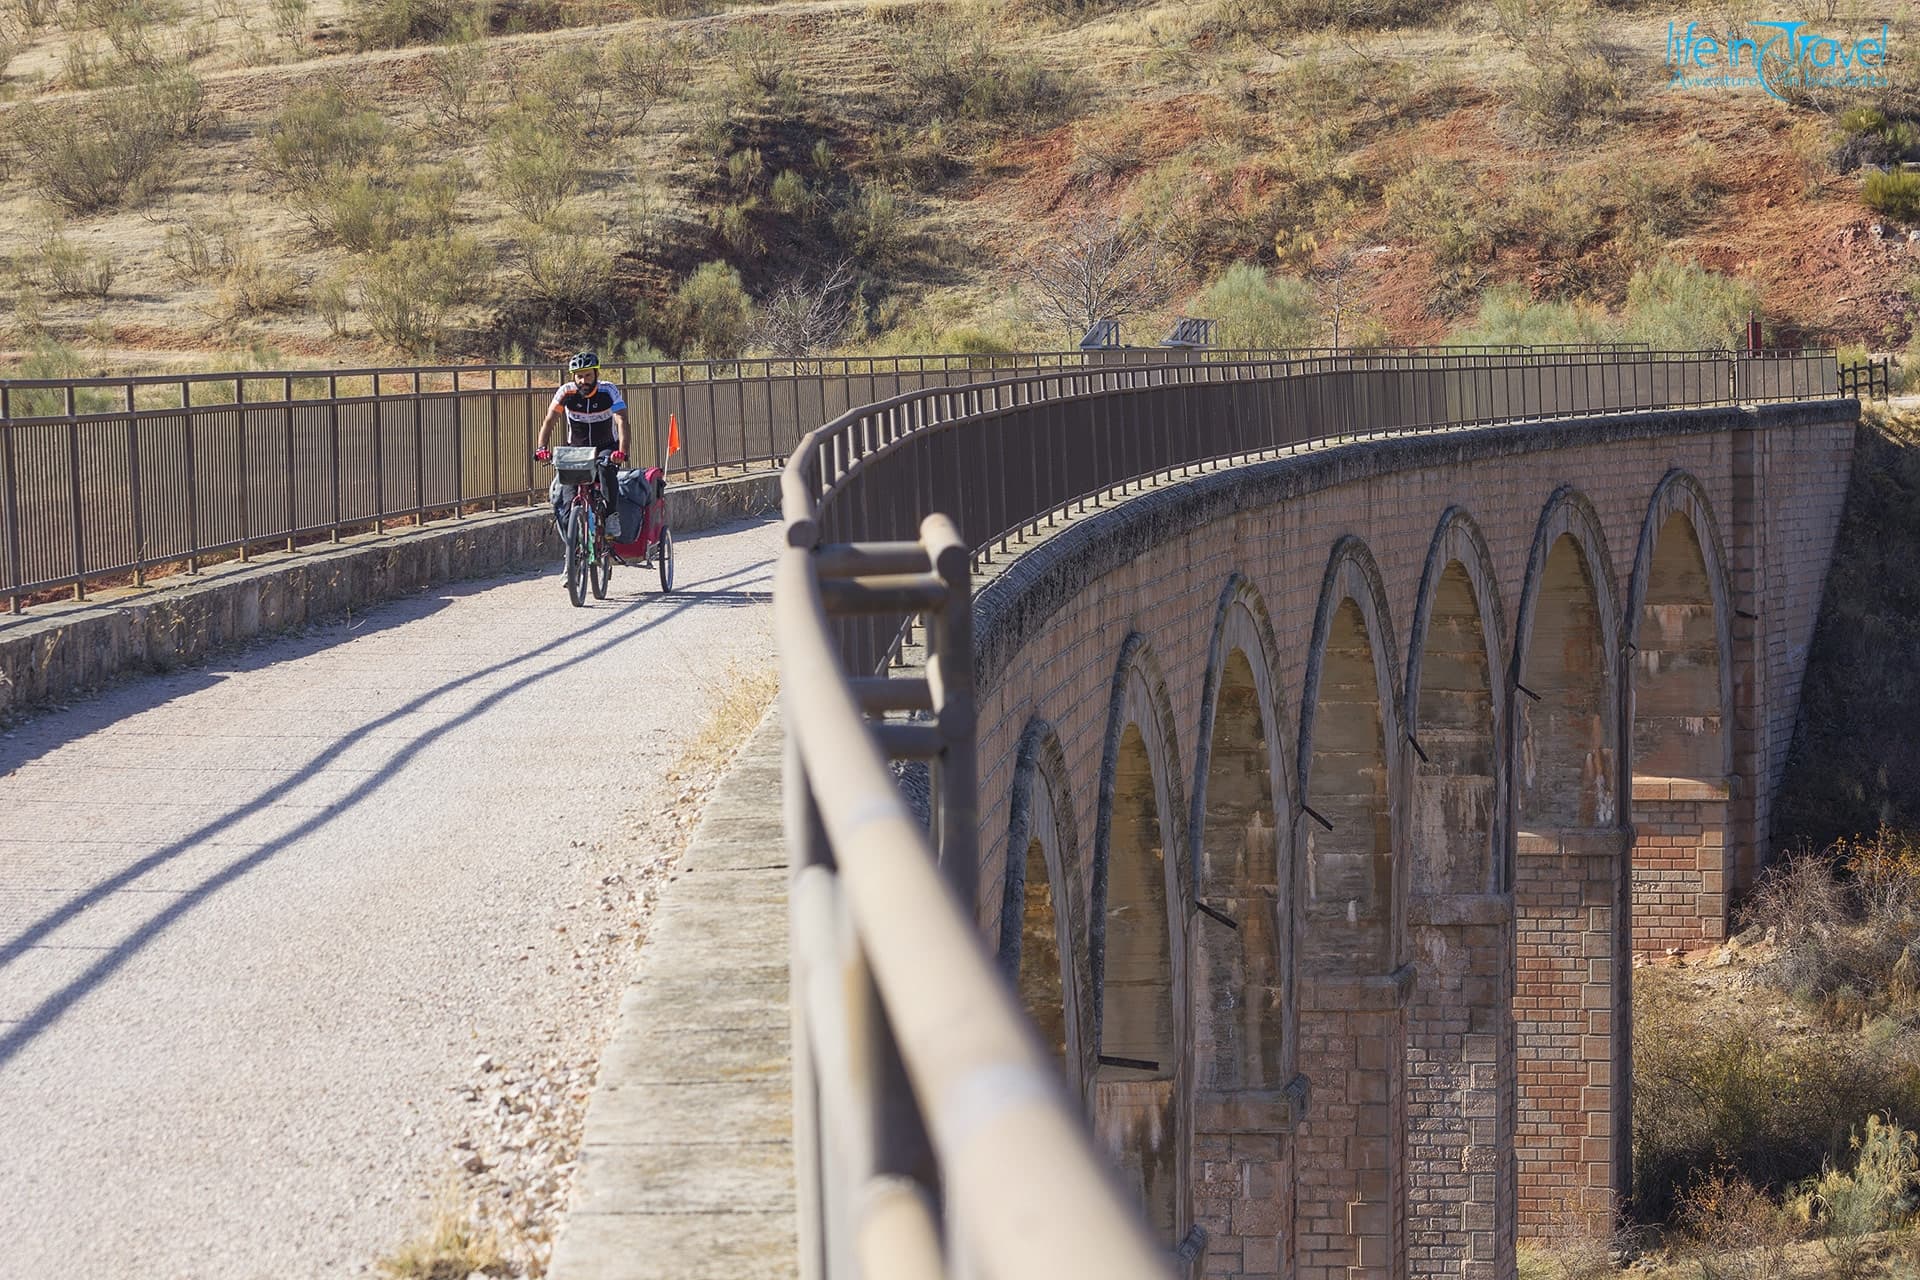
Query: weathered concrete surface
687, 1166
55, 651
258, 918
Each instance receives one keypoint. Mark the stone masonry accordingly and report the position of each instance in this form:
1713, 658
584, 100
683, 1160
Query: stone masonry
1464, 719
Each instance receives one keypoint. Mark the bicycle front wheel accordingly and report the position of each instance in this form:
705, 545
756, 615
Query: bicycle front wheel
600, 572
577, 557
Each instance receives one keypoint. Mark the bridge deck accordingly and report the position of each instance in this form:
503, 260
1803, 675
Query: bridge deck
258, 919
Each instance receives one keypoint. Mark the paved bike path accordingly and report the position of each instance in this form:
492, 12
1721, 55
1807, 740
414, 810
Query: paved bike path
258, 918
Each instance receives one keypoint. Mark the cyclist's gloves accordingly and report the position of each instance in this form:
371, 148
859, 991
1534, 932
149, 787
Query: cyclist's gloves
542, 455
619, 455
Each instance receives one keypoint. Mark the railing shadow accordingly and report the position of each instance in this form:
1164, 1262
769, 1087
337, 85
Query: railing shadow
43, 1016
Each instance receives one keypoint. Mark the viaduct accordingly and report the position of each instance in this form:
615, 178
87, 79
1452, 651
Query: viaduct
1326, 794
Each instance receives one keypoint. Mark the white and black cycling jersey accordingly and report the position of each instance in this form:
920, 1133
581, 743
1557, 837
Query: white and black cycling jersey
590, 413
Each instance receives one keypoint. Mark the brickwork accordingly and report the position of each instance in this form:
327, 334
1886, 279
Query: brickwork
1409, 1137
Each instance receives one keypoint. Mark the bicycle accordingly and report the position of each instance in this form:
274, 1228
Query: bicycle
583, 528
591, 549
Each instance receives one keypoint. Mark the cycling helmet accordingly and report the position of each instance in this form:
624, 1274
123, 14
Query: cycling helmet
585, 360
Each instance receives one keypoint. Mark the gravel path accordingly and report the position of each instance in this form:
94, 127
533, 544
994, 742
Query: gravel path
259, 920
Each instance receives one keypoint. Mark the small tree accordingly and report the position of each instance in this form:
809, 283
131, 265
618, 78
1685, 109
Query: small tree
1096, 270
804, 315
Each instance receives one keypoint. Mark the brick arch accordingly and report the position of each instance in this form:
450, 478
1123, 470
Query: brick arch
1245, 1045
1459, 1078
1680, 716
1350, 891
1043, 944
1140, 903
1569, 877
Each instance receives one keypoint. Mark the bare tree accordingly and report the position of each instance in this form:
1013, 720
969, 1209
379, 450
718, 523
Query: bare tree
1096, 270
805, 315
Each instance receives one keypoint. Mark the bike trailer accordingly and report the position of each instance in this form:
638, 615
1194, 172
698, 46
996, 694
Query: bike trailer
643, 510
574, 463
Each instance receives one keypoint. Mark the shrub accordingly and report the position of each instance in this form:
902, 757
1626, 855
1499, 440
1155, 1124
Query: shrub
565, 94
759, 55
644, 71
393, 24
1437, 205
1339, 15
65, 270
1895, 193
407, 291
568, 271
532, 166
790, 195
873, 224
1746, 1099
1679, 306
1259, 311
1735, 1231
951, 66
459, 78
321, 134
712, 312
372, 207
108, 149
1509, 317
1877, 1194
1565, 91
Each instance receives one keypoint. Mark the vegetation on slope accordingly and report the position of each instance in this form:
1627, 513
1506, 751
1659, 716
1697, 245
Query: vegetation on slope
463, 177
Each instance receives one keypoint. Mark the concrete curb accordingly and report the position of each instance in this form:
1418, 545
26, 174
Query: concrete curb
686, 1166
57, 651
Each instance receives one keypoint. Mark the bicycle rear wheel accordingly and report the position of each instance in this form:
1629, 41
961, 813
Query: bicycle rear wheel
577, 557
665, 553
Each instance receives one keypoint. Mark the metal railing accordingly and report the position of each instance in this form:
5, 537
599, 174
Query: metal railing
114, 478
1871, 379
931, 1131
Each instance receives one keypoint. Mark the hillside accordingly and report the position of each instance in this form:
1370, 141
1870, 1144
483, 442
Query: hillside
259, 181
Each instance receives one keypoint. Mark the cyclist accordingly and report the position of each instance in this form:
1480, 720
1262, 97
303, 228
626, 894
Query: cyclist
596, 415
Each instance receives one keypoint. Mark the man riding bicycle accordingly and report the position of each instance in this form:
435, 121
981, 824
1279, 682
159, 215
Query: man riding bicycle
596, 415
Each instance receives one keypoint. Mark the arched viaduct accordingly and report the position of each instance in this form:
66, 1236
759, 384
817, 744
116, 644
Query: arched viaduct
1324, 801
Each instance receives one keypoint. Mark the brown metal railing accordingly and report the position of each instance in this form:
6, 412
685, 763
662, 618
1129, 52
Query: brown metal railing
931, 1131
112, 478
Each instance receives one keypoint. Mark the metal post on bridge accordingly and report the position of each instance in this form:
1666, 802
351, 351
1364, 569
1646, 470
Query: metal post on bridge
10, 478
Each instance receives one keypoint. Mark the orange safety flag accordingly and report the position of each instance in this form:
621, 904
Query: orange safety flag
673, 434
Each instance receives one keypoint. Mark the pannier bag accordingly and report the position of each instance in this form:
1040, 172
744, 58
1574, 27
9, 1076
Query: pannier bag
635, 496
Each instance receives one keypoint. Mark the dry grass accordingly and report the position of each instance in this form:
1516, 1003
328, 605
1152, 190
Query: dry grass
450, 1247
742, 696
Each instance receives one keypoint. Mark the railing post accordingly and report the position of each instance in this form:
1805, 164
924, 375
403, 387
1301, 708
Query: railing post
246, 504
139, 503
293, 488
493, 420
333, 448
193, 482
9, 477
419, 458
73, 477
379, 472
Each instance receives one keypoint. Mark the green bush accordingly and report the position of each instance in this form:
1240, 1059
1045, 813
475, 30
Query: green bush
1337, 15
321, 134
1509, 317
1747, 1099
568, 271
1895, 193
873, 224
1680, 306
1258, 311
1561, 94
1438, 205
408, 291
952, 67
712, 313
531, 165
65, 270
110, 148
393, 24
790, 195
644, 71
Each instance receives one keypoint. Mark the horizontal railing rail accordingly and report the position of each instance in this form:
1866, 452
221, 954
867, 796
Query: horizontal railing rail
109, 479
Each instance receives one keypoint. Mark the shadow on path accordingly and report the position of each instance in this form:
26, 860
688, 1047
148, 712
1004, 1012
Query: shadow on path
49, 1011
